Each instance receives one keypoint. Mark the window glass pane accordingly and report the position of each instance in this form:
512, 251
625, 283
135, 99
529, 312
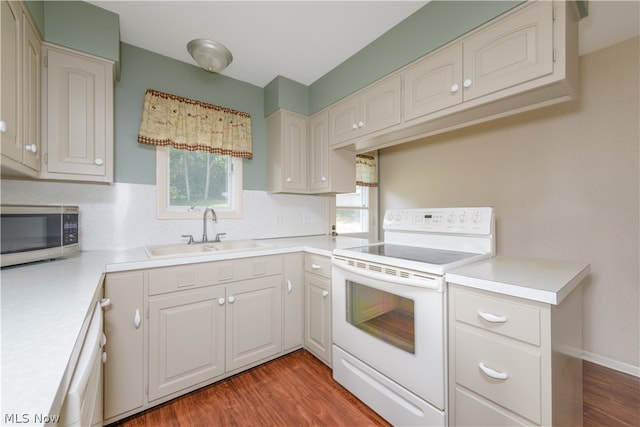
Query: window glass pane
198, 178
386, 316
358, 199
352, 220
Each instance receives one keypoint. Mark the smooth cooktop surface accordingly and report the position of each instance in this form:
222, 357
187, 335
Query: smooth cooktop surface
413, 253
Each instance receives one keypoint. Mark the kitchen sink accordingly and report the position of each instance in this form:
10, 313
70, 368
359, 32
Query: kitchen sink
207, 248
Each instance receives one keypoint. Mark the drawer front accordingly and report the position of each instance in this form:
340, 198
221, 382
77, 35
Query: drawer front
501, 316
474, 411
519, 391
171, 279
318, 264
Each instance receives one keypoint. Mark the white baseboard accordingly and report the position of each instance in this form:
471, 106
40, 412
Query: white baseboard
611, 363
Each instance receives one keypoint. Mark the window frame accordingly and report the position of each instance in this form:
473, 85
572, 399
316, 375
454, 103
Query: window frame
372, 234
162, 191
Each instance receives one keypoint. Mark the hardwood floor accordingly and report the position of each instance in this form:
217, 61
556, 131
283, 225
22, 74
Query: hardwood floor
297, 390
610, 398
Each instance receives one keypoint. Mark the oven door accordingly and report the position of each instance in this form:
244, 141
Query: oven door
396, 328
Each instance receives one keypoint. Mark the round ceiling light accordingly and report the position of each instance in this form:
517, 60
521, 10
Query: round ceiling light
209, 54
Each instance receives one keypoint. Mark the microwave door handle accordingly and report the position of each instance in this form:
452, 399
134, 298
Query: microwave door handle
432, 284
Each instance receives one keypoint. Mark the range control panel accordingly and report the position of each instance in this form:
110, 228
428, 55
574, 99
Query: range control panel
478, 220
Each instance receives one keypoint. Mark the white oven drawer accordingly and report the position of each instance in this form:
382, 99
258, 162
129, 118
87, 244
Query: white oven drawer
498, 315
506, 374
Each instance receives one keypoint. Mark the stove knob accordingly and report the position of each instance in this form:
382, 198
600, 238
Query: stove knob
476, 216
463, 217
451, 217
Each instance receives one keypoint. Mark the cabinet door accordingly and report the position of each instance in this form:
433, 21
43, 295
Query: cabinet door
319, 153
30, 95
186, 339
254, 321
295, 152
10, 85
343, 120
434, 83
79, 106
123, 327
509, 52
380, 106
293, 318
318, 336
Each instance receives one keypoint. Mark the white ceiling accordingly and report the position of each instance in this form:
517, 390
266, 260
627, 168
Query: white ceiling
303, 40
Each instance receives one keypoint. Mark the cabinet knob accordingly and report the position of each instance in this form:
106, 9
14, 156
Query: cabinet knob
98, 161
231, 299
454, 88
31, 147
467, 83
137, 320
221, 301
288, 179
354, 126
289, 286
104, 357
3, 126
325, 293
360, 124
323, 179
105, 302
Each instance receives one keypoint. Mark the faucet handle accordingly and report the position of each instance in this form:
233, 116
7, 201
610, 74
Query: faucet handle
190, 236
218, 236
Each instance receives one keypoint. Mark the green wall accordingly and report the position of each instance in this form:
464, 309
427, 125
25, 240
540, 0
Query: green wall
141, 70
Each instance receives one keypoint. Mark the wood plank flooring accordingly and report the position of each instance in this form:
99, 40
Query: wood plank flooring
610, 398
298, 390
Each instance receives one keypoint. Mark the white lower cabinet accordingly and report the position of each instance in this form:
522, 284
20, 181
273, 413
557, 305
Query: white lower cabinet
513, 361
124, 370
186, 339
171, 330
318, 336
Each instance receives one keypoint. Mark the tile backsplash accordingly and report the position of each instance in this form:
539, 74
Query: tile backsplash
124, 215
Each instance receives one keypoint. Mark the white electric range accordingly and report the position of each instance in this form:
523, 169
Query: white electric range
389, 309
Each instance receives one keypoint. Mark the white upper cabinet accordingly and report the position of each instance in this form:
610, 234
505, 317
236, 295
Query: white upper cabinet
509, 52
375, 108
300, 159
20, 93
78, 102
505, 54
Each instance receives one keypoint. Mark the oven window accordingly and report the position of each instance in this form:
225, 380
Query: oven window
386, 316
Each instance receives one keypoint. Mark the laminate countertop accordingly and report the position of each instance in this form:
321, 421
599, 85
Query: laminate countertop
543, 280
44, 307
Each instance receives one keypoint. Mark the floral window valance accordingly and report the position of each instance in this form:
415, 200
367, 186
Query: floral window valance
186, 124
366, 172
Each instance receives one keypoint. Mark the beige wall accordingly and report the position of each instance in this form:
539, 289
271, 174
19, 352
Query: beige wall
564, 182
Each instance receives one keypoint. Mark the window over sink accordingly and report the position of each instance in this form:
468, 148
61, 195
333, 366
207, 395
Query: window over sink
189, 181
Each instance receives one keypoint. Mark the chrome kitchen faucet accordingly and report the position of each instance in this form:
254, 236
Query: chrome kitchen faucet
214, 217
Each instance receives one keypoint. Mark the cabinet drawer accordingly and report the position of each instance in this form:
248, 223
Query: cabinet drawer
318, 264
519, 391
474, 411
171, 279
498, 315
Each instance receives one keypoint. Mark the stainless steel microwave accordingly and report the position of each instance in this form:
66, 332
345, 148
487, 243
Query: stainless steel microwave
31, 233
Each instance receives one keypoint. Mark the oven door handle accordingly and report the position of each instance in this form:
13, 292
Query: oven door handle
425, 282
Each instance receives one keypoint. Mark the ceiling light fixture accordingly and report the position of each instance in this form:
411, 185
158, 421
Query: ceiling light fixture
210, 55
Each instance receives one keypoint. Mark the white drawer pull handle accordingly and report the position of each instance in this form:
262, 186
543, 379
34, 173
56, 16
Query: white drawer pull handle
491, 373
231, 299
289, 286
221, 301
493, 318
316, 266
105, 302
136, 319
